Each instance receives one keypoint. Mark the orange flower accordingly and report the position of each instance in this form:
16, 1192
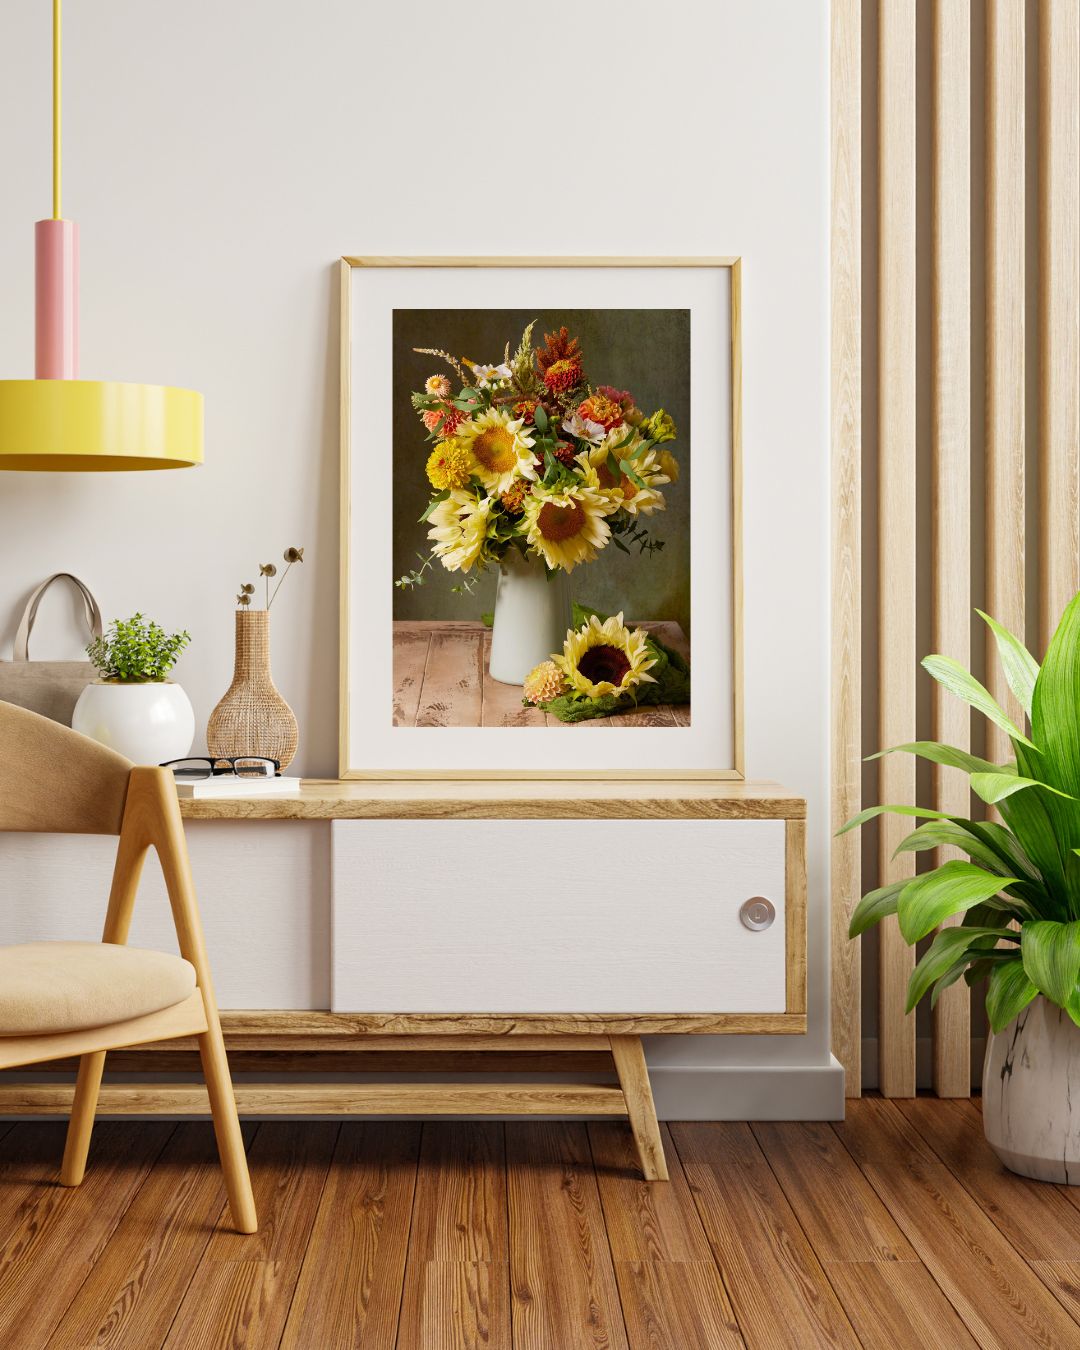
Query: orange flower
558, 346
563, 375
443, 420
513, 499
525, 408
599, 408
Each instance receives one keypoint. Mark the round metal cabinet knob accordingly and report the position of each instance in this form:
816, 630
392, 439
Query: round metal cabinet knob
757, 912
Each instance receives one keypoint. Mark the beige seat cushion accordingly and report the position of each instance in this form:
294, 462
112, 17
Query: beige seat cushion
48, 987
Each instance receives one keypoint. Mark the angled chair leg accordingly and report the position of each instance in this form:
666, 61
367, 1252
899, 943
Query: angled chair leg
81, 1124
230, 1141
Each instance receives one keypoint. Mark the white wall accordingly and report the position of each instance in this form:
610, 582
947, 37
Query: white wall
220, 156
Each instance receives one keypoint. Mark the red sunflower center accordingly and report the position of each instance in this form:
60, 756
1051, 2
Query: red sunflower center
605, 663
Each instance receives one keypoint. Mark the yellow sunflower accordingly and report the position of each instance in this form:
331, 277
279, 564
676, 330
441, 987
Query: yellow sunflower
460, 527
605, 658
501, 450
566, 526
624, 492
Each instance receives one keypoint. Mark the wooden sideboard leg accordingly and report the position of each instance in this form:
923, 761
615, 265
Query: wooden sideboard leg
634, 1080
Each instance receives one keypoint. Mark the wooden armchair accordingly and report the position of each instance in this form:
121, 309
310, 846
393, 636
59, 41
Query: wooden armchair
85, 998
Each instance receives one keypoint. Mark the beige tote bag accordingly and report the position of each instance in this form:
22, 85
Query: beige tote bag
51, 688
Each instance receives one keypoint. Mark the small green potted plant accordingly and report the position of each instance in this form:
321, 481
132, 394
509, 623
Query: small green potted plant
1018, 899
133, 706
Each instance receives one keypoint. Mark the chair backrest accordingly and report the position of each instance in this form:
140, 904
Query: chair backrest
54, 780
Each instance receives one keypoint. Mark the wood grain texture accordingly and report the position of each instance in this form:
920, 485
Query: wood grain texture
132, 1292
896, 512
1039, 1221
895, 1304
563, 1287
39, 1276
532, 799
778, 1289
761, 1240
951, 453
633, 1073
348, 1293
845, 1220
845, 273
1005, 344
457, 1284
957, 1242
1059, 310
332, 1099
295, 1029
795, 915
241, 1290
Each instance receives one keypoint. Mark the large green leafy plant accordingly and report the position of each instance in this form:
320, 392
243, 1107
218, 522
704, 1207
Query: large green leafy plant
1025, 868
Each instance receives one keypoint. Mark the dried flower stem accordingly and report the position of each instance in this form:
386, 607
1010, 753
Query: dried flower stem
437, 351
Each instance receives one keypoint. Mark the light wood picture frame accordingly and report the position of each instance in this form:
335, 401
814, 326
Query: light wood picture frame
365, 684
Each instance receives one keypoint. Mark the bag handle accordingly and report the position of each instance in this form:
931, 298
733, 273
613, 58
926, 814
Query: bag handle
26, 623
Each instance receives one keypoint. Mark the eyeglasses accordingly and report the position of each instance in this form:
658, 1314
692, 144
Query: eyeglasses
242, 766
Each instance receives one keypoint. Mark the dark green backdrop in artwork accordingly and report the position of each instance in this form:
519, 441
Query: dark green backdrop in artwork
646, 351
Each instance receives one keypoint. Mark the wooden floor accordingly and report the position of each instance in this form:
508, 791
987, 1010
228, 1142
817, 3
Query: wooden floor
897, 1228
441, 680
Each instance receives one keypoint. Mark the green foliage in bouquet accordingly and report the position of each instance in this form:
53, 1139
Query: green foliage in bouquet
1025, 869
136, 651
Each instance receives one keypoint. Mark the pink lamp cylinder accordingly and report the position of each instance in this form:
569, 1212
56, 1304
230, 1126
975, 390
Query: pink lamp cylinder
56, 252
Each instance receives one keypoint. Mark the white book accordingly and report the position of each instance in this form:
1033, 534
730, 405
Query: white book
228, 785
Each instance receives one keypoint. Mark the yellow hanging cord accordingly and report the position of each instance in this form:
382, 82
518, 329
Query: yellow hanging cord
56, 111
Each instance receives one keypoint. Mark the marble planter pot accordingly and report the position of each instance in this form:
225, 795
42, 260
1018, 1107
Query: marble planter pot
1031, 1094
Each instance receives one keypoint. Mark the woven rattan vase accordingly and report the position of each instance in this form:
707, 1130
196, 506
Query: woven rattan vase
253, 718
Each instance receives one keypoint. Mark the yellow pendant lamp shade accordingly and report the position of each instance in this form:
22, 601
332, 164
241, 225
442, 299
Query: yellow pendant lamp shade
60, 423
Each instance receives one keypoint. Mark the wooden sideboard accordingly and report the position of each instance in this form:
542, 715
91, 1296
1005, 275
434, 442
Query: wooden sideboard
498, 1035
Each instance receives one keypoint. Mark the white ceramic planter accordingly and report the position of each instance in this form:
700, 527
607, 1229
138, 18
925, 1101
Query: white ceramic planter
532, 615
148, 723
1031, 1094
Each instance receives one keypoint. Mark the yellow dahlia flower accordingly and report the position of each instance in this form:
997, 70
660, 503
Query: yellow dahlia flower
449, 466
544, 683
566, 526
460, 527
501, 450
605, 658
624, 493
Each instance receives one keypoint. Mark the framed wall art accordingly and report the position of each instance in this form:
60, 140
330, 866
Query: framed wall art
540, 518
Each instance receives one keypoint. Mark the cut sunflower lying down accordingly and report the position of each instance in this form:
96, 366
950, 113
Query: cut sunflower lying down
605, 668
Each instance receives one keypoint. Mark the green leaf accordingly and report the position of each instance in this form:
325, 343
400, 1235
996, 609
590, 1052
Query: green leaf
439, 497
949, 889
1055, 725
938, 753
540, 418
1008, 993
995, 787
950, 834
1020, 667
949, 948
875, 906
871, 812
1051, 953
952, 676
630, 472
622, 444
619, 543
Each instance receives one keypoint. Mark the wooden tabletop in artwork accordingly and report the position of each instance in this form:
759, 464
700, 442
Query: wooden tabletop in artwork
441, 680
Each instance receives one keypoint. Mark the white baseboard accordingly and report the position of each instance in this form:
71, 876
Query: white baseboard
776, 1092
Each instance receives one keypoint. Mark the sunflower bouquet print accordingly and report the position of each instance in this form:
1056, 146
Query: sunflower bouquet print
532, 469
528, 455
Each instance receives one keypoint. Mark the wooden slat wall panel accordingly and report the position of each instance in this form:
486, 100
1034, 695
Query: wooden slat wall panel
846, 296
976, 556
896, 508
1005, 270
1059, 309
951, 448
